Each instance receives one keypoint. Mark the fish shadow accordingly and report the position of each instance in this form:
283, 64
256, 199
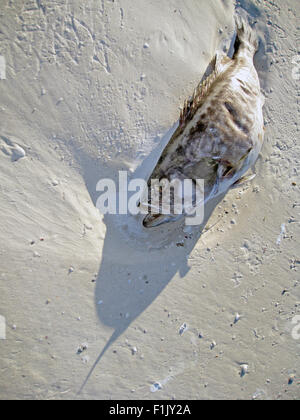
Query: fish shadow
138, 263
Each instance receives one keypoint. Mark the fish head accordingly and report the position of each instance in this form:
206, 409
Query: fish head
153, 220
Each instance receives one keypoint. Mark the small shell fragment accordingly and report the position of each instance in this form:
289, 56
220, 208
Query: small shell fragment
133, 351
291, 379
17, 153
155, 387
182, 329
82, 348
244, 370
213, 345
237, 318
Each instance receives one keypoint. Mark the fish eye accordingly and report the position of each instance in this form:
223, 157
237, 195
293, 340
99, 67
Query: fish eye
228, 170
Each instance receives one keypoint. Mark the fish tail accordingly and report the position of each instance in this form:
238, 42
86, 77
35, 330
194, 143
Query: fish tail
246, 38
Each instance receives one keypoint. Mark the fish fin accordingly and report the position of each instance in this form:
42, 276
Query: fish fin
243, 180
245, 37
191, 105
218, 65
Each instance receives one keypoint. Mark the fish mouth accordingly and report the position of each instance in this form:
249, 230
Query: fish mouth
153, 220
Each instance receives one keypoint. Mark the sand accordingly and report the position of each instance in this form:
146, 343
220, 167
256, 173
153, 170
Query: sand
94, 306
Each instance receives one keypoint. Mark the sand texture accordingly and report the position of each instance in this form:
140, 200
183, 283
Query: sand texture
95, 306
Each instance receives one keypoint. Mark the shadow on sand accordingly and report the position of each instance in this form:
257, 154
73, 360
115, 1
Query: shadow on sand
138, 263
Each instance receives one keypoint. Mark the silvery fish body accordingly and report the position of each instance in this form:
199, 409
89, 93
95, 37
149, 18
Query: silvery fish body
221, 128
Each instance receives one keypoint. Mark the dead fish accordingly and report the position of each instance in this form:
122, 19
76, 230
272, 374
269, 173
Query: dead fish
221, 128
